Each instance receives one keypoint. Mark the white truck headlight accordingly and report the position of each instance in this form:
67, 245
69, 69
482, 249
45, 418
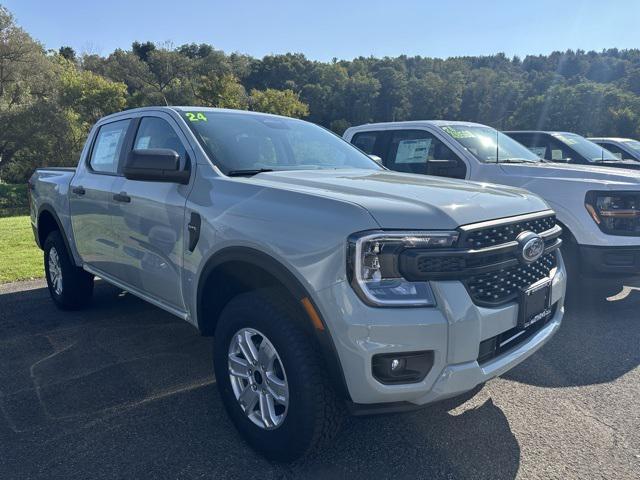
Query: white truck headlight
616, 213
372, 266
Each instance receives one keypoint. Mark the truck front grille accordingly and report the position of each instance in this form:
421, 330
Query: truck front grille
488, 258
504, 285
503, 233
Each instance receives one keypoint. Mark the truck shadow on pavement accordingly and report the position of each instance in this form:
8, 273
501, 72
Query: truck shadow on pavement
122, 389
598, 342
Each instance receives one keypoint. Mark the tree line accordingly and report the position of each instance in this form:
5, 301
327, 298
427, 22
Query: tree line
50, 99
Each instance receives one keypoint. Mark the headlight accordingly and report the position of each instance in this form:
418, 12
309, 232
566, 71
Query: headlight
616, 213
373, 267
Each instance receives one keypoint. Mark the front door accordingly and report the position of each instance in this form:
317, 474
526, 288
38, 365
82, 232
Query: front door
149, 218
90, 198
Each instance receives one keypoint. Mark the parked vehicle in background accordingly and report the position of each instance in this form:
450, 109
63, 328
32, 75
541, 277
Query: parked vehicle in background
622, 148
326, 280
566, 147
598, 208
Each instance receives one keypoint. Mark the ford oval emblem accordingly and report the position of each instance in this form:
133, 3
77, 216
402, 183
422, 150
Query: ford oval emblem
531, 246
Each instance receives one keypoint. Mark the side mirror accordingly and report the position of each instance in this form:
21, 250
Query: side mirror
155, 165
376, 159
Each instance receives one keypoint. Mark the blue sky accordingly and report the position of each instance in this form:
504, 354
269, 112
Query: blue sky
342, 29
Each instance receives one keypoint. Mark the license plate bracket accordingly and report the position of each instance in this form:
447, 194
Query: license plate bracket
535, 304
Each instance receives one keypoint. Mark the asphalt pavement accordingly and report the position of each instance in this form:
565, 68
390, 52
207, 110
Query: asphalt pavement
125, 390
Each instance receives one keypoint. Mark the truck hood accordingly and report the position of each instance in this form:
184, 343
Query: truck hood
406, 201
591, 176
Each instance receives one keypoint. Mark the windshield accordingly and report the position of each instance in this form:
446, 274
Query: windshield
481, 141
589, 150
633, 144
244, 142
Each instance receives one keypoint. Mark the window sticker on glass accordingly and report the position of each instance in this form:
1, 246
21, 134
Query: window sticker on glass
458, 133
196, 116
106, 147
413, 151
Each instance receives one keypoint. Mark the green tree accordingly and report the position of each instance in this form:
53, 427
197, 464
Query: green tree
222, 91
68, 53
280, 102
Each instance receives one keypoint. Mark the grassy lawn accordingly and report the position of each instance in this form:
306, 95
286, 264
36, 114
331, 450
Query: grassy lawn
20, 258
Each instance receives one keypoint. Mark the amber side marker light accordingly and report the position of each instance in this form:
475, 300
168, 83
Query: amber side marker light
313, 315
593, 213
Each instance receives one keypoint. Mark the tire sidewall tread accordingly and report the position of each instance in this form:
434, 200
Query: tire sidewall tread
77, 285
314, 413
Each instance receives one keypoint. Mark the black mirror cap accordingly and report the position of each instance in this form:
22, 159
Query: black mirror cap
156, 165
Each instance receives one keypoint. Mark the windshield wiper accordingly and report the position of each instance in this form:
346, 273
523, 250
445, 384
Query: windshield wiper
513, 160
248, 172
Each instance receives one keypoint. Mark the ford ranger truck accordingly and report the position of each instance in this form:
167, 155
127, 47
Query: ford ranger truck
328, 283
598, 208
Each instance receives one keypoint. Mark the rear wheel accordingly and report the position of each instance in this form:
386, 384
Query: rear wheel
272, 379
70, 287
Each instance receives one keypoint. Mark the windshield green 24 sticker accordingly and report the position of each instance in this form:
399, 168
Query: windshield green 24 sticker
196, 116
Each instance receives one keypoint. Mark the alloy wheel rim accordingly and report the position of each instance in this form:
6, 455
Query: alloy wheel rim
55, 272
258, 379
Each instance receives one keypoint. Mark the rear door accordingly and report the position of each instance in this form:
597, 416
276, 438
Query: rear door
149, 217
90, 197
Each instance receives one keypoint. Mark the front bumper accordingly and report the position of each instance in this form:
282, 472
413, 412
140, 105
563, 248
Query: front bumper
453, 331
623, 262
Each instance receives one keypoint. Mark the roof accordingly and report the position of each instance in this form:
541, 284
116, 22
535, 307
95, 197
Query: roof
550, 132
612, 139
182, 108
417, 123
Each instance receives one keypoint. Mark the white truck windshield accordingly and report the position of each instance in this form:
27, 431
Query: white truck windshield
489, 145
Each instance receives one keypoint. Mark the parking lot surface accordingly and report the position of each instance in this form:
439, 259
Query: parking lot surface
124, 390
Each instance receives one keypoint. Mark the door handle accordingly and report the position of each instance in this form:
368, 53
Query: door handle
79, 190
122, 197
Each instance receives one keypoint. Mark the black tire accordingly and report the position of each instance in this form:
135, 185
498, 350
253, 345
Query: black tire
76, 287
314, 413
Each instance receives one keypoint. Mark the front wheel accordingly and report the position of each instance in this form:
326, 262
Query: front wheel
272, 379
70, 287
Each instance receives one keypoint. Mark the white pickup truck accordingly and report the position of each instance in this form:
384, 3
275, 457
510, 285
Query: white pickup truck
598, 207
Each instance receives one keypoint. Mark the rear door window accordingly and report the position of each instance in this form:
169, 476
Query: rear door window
107, 147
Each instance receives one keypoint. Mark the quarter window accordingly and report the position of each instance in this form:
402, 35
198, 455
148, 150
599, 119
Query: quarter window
105, 154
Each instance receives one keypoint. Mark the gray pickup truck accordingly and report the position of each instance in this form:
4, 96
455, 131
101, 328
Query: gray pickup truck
329, 283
